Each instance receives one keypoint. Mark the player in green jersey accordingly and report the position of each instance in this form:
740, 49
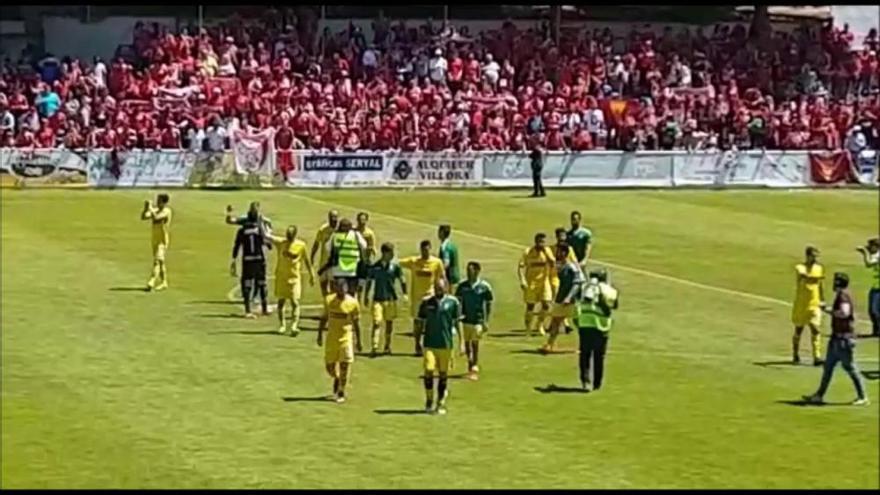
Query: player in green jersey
475, 296
448, 254
441, 314
381, 277
580, 239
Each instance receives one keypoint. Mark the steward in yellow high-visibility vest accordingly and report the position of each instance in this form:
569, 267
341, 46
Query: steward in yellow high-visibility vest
598, 299
871, 257
347, 248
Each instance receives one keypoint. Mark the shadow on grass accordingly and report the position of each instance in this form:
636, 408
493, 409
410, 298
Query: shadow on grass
556, 389
226, 301
142, 288
244, 332
866, 336
507, 335
400, 412
319, 398
803, 403
539, 352
872, 375
774, 364
457, 376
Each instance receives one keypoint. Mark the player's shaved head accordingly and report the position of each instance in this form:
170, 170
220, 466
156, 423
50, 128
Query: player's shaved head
440, 287
540, 239
341, 286
291, 232
333, 218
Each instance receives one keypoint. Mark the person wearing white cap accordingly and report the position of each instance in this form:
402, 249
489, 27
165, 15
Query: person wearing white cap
437, 67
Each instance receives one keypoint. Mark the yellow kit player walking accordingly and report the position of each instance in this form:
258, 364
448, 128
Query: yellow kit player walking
160, 216
321, 243
425, 270
808, 301
369, 253
534, 272
341, 318
288, 277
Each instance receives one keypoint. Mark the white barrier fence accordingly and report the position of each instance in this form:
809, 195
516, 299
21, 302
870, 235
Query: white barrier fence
167, 168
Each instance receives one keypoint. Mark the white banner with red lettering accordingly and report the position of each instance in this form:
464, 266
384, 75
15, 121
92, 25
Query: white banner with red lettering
254, 154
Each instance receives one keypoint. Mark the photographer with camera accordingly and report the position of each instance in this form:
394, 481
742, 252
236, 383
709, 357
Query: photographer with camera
871, 257
598, 299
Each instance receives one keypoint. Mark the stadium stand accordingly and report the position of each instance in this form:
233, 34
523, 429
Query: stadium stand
437, 88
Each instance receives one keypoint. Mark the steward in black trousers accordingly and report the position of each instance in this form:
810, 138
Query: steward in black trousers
599, 298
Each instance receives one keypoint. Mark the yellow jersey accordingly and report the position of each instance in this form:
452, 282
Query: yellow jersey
808, 281
341, 314
538, 265
161, 220
322, 238
291, 256
370, 237
423, 275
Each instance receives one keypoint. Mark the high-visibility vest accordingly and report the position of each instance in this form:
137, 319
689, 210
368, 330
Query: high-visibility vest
592, 314
347, 250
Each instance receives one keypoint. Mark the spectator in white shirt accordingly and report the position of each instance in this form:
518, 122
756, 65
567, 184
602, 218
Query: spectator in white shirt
99, 73
491, 70
216, 136
370, 61
196, 136
595, 121
438, 66
7, 121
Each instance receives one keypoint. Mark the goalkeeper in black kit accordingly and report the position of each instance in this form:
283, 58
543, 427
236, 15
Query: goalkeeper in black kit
251, 240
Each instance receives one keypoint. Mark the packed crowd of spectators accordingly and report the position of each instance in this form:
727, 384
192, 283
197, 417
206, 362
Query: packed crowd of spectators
436, 88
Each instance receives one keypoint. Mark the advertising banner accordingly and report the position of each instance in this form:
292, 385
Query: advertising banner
435, 168
338, 170
43, 168
140, 168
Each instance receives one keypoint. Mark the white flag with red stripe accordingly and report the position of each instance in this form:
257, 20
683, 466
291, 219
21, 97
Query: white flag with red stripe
254, 153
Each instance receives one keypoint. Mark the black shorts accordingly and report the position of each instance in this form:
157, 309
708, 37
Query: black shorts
253, 270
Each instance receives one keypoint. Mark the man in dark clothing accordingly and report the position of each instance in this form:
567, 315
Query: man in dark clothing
251, 240
537, 157
842, 343
598, 300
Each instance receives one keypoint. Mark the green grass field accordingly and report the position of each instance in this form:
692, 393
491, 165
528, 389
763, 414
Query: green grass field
106, 387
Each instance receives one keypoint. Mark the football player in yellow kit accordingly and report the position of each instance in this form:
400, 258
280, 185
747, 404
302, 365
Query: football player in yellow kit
160, 216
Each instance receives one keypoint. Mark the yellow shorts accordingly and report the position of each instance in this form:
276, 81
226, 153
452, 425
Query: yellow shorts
472, 333
537, 293
414, 303
288, 289
562, 310
159, 250
801, 317
336, 351
384, 311
439, 360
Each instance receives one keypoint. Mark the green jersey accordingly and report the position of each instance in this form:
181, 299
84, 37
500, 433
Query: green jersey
383, 276
441, 317
579, 239
474, 297
570, 277
449, 255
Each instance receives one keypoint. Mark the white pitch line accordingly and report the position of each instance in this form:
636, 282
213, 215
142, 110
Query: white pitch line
616, 266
